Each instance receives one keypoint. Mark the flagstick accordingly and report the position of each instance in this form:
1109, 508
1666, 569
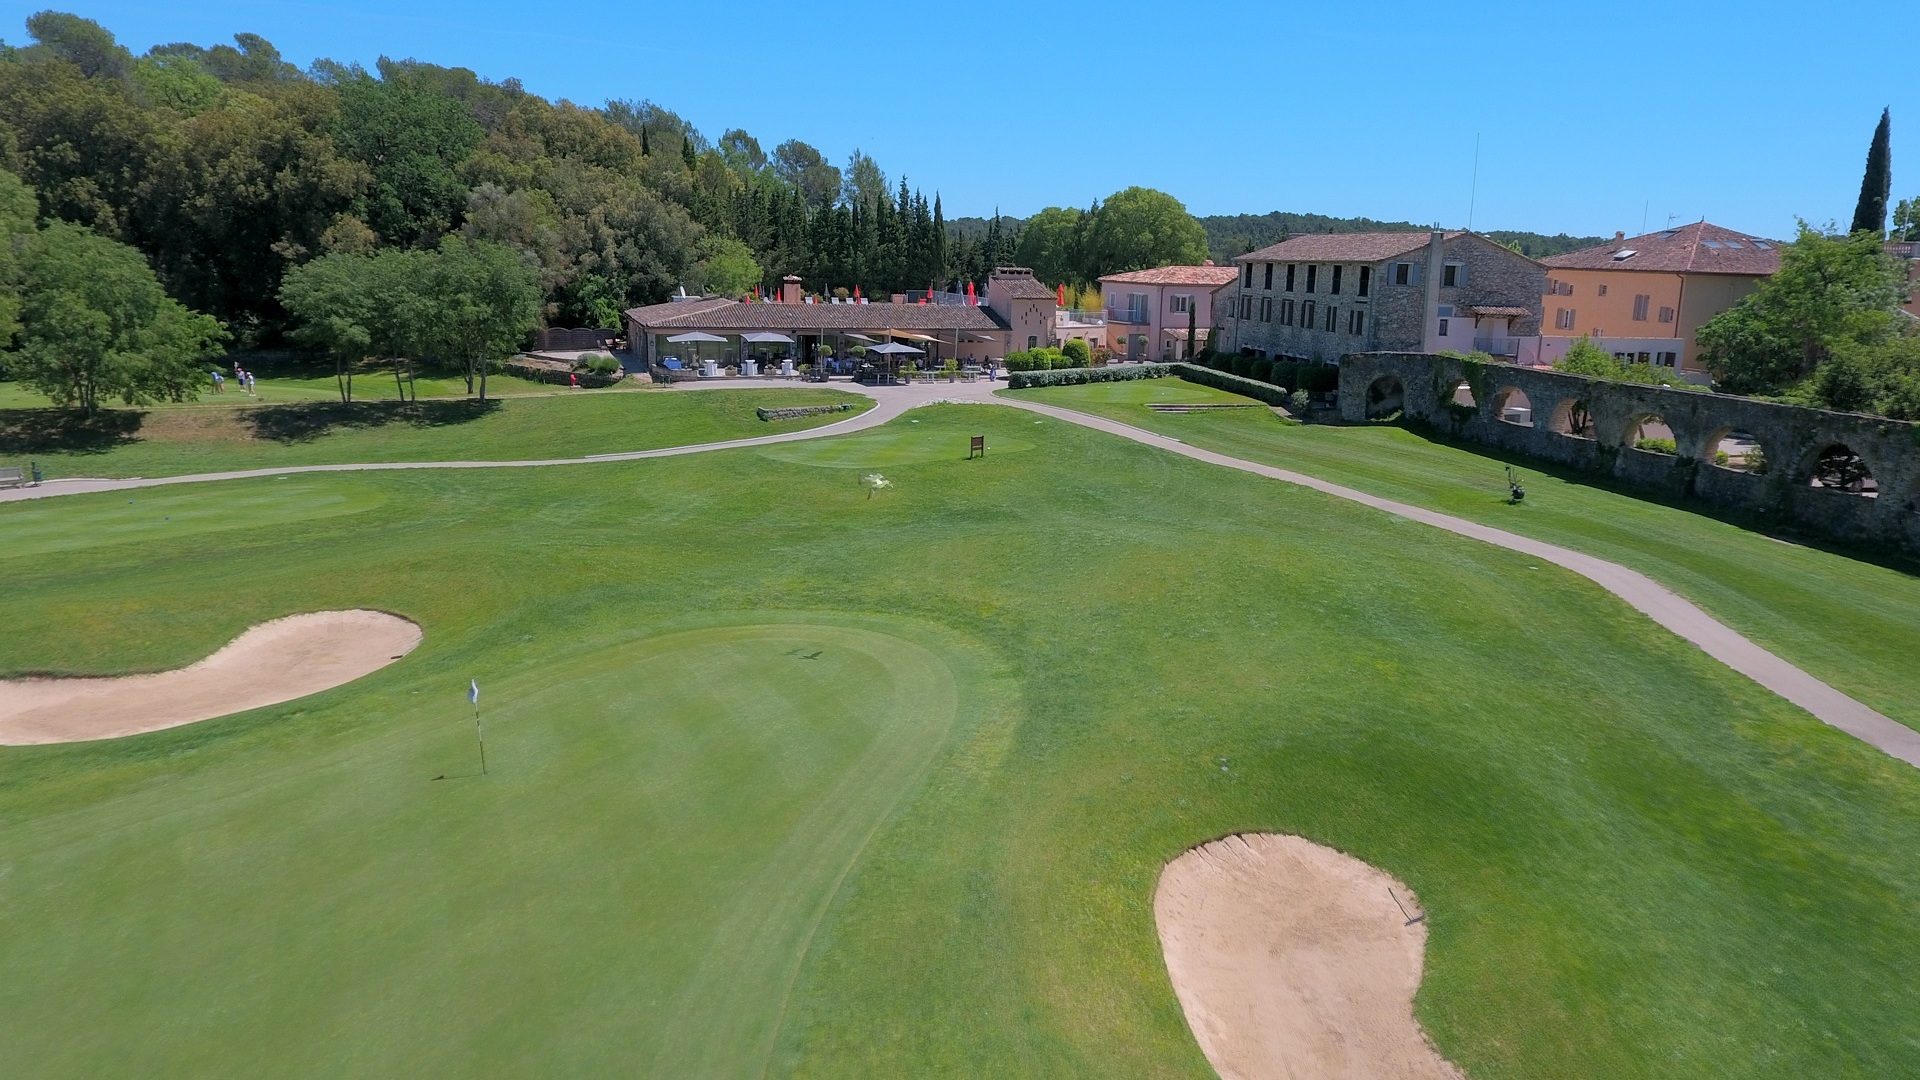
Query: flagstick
477, 734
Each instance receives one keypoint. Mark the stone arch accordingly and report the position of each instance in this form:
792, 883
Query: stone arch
1571, 418
1386, 397
1512, 406
1463, 396
1735, 450
1838, 467
1649, 433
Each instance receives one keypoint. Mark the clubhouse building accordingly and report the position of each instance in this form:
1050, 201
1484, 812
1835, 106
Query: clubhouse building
1016, 313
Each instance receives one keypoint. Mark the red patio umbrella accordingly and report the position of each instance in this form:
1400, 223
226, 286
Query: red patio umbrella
971, 302
1060, 294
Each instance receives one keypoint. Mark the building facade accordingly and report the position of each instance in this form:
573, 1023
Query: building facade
1644, 298
1017, 311
1323, 296
1148, 310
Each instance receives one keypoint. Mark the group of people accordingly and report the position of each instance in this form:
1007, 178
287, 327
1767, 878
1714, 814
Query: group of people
241, 377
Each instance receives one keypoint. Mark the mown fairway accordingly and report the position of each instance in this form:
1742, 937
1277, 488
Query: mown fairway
173, 440
1850, 622
931, 848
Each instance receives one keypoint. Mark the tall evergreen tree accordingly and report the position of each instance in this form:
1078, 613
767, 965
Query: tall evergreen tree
1877, 186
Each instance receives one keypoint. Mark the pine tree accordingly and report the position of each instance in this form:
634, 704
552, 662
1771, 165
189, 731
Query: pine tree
1877, 186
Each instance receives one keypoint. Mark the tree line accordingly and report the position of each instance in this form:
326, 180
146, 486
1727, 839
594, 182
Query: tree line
228, 167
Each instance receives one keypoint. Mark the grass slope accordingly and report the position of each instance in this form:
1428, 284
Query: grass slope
932, 850
1852, 623
170, 441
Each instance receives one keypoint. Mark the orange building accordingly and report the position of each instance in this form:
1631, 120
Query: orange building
1645, 298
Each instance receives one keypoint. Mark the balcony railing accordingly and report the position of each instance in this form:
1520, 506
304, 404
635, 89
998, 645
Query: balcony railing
1069, 317
1497, 346
1130, 316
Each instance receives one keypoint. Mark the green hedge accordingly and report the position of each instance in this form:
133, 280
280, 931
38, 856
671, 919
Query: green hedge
1027, 380
1231, 383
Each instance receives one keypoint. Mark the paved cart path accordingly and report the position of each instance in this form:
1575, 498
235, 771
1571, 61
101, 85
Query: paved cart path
1656, 601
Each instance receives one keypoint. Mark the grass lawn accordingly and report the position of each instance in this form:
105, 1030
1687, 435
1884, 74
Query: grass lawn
189, 439
930, 849
1850, 622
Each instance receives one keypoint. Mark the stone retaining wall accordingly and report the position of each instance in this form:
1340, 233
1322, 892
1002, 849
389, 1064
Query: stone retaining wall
1792, 439
802, 410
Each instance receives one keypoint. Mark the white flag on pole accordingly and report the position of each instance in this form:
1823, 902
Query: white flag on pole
473, 692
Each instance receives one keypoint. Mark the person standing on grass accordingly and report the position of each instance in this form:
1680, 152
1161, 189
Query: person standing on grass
253, 387
219, 383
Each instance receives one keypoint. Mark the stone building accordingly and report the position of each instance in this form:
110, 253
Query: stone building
1323, 296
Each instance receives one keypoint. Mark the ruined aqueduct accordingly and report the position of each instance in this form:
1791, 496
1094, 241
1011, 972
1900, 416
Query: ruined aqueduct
1837, 475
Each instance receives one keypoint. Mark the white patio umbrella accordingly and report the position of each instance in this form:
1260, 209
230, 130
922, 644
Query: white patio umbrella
695, 339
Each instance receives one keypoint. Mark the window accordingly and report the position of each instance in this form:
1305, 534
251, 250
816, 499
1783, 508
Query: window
1269, 283
1666, 359
1291, 267
1246, 281
1177, 304
1666, 314
1451, 274
1032, 342
1286, 313
1366, 280
1640, 307
1443, 328
1306, 314
1312, 272
1266, 309
1246, 305
1603, 290
1563, 319
1403, 273
1333, 319
1356, 322
1333, 285
1561, 288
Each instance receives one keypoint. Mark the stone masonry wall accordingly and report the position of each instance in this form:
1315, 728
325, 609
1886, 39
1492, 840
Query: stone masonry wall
1792, 439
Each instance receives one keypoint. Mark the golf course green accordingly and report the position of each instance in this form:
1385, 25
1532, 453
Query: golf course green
788, 779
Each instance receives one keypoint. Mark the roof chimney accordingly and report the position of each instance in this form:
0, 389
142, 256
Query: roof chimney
790, 292
1619, 235
1436, 268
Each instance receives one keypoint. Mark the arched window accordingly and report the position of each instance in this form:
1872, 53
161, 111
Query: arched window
1838, 468
1649, 434
1571, 418
1736, 451
1386, 398
1512, 406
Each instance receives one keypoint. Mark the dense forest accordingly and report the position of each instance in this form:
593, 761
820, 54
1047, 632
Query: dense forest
226, 166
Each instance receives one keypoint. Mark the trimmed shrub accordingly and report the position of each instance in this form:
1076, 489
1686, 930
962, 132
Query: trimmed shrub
1027, 380
1657, 446
1036, 360
1232, 384
601, 363
1262, 370
1243, 366
1076, 351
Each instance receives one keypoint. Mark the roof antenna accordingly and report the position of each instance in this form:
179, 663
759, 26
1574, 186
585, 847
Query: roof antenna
1473, 194
1643, 216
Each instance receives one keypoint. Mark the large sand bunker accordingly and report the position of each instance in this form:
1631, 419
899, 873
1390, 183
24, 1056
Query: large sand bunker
270, 663
1292, 960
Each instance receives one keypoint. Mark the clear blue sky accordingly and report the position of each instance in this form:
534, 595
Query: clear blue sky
1592, 116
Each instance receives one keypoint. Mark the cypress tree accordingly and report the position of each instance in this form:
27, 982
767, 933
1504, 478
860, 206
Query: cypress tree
1877, 186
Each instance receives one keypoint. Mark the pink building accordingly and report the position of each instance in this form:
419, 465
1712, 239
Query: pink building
1148, 310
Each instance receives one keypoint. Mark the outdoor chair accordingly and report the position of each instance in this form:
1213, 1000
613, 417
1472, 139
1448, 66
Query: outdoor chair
12, 476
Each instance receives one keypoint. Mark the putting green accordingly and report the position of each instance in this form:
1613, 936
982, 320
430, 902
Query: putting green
904, 442
663, 828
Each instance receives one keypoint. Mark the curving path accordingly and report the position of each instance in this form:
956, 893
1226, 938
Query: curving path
1657, 602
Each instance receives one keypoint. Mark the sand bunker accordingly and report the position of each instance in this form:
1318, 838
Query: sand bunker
270, 663
1291, 960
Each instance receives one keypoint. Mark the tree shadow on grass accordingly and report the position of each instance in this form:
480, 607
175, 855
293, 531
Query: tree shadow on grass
67, 431
309, 421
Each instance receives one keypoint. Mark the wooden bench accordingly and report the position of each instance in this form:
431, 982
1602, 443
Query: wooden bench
12, 476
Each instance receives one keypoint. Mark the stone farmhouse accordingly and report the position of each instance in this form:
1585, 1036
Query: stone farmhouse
1323, 296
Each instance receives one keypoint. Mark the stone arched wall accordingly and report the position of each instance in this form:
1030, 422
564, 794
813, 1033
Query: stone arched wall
1789, 435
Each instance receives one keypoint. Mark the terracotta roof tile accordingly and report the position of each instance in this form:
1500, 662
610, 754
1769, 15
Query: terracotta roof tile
1214, 276
1364, 247
1699, 248
1025, 288
733, 315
